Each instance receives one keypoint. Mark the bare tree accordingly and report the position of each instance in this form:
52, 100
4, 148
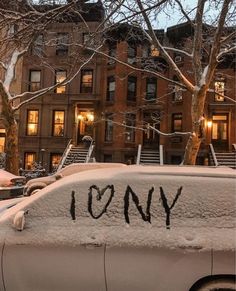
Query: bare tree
213, 38
22, 23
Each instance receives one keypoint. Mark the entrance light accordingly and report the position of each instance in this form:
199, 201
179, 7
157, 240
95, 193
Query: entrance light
209, 123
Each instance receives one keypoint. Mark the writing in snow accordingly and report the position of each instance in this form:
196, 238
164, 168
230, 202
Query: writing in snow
96, 194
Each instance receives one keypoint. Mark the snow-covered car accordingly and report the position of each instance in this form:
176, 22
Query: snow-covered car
33, 185
131, 228
8, 203
10, 185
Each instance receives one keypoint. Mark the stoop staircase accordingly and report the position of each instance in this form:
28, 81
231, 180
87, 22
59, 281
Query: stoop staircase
150, 156
76, 155
227, 159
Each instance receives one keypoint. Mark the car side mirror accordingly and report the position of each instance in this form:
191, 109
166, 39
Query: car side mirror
58, 176
19, 220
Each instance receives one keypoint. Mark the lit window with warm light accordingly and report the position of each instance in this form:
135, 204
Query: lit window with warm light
154, 51
58, 123
219, 91
32, 122
60, 77
2, 139
29, 160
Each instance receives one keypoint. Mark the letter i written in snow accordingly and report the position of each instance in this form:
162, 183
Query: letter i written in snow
72, 205
166, 206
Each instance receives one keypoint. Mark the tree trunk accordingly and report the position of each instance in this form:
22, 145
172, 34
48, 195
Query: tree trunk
11, 148
194, 141
11, 127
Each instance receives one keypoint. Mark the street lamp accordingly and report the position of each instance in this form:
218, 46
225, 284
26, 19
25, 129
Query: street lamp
42, 155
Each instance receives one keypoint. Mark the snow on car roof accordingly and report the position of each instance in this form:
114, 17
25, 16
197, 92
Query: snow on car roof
77, 167
187, 207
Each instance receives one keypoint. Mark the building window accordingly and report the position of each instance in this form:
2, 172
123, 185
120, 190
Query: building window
54, 161
176, 122
58, 123
109, 127
130, 127
37, 47
60, 77
112, 53
86, 81
35, 81
154, 52
151, 88
131, 53
219, 91
62, 44
111, 86
178, 91
32, 122
2, 139
30, 159
132, 84
86, 38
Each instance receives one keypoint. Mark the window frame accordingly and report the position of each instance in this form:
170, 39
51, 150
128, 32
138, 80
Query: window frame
32, 122
132, 94
111, 93
62, 87
112, 51
37, 48
131, 53
83, 88
27, 154
52, 167
151, 81
217, 97
62, 44
57, 123
177, 117
109, 128
34, 85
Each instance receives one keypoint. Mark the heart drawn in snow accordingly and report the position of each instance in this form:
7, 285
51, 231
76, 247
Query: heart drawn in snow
109, 193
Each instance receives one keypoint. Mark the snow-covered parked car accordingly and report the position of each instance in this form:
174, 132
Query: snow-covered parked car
11, 185
33, 185
131, 228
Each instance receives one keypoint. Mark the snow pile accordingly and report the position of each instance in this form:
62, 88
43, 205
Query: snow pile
142, 206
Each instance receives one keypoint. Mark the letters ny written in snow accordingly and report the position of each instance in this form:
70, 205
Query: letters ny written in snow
95, 195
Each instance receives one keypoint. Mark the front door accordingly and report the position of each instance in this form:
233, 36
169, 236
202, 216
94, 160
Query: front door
85, 125
150, 136
220, 130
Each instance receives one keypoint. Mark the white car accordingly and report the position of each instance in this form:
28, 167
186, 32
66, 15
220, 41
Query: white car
33, 185
133, 228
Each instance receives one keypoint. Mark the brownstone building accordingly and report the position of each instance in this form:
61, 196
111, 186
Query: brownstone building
115, 105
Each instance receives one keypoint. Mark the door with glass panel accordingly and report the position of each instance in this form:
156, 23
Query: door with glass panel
220, 128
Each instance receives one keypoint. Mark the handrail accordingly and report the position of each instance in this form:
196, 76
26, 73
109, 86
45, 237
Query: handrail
89, 153
63, 157
161, 154
138, 154
213, 155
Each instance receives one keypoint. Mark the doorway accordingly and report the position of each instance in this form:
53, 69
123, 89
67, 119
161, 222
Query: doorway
220, 131
150, 136
85, 126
